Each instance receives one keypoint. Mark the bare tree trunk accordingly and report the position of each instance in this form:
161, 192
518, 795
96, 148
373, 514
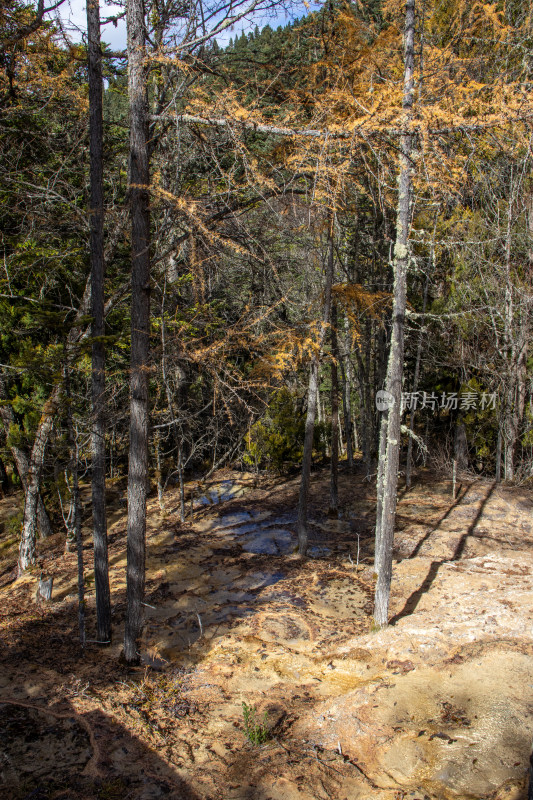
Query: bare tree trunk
460, 446
334, 483
346, 376
96, 144
27, 539
76, 509
516, 341
312, 396
390, 429
140, 321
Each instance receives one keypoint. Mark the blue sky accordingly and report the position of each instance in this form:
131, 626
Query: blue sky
73, 15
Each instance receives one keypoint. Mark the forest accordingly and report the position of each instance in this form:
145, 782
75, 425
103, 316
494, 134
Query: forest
266, 399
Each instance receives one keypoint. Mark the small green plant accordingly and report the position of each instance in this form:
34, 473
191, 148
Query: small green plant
255, 732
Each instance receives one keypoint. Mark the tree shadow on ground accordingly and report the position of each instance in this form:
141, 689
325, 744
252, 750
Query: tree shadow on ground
58, 753
414, 599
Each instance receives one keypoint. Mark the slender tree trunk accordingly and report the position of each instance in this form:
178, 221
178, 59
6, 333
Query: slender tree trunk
334, 482
140, 323
460, 445
96, 144
76, 508
390, 429
346, 376
27, 539
312, 396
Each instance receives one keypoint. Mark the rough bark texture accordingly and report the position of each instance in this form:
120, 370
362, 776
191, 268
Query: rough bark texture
101, 561
390, 430
346, 374
312, 397
140, 318
460, 446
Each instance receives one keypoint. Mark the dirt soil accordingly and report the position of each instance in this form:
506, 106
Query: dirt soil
438, 705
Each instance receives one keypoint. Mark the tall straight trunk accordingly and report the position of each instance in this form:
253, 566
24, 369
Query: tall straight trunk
346, 376
390, 429
140, 322
76, 508
515, 343
29, 524
334, 477
312, 397
96, 144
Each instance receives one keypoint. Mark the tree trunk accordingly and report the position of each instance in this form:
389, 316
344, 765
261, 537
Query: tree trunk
346, 376
76, 509
96, 216
140, 323
334, 482
460, 446
312, 396
390, 429
31, 500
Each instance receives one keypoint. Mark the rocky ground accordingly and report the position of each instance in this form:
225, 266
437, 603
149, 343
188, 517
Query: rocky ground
438, 705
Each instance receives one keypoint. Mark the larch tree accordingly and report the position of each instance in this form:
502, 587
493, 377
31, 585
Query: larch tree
96, 217
139, 180
173, 40
387, 481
